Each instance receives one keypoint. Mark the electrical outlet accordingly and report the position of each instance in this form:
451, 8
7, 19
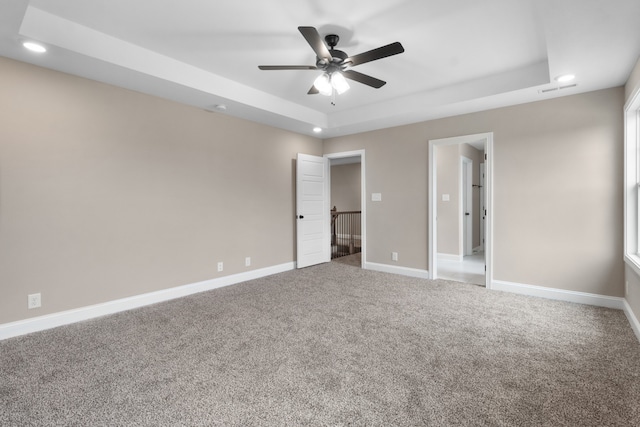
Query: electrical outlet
34, 300
220, 266
394, 256
247, 261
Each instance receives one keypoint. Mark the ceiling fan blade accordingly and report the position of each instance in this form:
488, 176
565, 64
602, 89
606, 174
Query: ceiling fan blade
315, 41
287, 67
364, 79
379, 53
313, 91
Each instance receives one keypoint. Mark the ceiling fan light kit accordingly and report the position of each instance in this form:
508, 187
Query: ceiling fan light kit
335, 63
326, 83
339, 83
323, 84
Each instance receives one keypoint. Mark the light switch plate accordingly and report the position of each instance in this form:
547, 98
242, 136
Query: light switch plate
445, 197
376, 197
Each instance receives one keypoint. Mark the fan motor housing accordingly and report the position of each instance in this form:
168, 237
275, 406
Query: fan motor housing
337, 56
337, 59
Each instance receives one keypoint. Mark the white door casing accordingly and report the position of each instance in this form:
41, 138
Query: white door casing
312, 211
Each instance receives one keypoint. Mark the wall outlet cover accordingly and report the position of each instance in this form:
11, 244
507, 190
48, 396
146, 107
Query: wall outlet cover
34, 300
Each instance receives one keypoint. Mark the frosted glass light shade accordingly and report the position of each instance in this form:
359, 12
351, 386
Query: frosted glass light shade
339, 83
323, 84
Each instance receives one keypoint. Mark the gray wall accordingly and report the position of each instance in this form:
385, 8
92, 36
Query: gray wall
557, 190
633, 82
345, 187
448, 182
107, 193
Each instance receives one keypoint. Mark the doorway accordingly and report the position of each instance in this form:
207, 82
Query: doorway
462, 251
348, 204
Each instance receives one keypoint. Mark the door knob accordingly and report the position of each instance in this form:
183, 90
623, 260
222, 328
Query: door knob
300, 216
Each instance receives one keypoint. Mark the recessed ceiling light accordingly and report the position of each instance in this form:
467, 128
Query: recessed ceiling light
317, 130
565, 78
34, 47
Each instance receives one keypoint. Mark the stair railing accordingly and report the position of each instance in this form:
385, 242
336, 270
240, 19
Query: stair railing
345, 233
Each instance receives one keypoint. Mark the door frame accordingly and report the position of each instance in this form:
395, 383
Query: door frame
363, 195
433, 202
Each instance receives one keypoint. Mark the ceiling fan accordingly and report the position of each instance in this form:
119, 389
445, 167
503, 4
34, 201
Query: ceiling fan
336, 63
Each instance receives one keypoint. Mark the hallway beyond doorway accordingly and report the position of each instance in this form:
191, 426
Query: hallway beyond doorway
469, 270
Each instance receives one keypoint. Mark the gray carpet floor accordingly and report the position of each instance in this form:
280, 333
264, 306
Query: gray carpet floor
330, 345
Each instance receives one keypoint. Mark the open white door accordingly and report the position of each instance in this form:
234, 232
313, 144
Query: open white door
312, 211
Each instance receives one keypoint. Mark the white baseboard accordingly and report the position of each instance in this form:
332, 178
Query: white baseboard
450, 257
633, 320
53, 320
404, 271
559, 294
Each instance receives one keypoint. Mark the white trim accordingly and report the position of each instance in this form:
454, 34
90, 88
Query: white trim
633, 320
53, 320
433, 200
403, 271
633, 261
363, 191
488, 203
450, 257
560, 294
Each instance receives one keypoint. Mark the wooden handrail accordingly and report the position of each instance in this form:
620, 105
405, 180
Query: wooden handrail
344, 212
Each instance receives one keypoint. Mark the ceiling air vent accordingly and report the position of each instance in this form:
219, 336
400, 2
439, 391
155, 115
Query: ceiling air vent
553, 89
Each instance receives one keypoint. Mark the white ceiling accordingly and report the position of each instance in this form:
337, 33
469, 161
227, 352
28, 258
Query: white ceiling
460, 55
